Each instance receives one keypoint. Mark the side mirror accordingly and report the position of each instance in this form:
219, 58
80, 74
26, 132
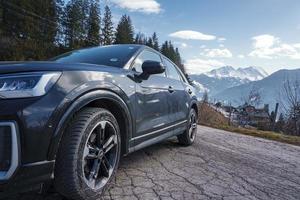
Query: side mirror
152, 67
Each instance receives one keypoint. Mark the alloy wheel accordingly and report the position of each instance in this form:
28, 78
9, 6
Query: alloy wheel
100, 155
192, 126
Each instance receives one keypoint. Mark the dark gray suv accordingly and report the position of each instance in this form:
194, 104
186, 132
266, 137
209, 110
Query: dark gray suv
68, 120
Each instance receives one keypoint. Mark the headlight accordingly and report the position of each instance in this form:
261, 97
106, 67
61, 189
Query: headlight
27, 85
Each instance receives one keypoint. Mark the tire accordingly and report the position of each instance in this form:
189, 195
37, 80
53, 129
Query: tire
188, 137
88, 155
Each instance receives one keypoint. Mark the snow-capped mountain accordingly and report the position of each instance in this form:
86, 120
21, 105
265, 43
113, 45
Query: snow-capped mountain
215, 85
218, 80
248, 73
270, 88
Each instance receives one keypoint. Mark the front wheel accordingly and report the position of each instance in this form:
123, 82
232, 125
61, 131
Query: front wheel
188, 137
89, 155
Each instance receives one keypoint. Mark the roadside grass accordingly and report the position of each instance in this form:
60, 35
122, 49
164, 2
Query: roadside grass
295, 140
210, 117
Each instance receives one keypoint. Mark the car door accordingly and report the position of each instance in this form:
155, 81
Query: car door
152, 105
179, 100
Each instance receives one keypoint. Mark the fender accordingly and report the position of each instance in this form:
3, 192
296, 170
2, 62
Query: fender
79, 103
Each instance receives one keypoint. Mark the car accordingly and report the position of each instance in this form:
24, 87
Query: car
67, 121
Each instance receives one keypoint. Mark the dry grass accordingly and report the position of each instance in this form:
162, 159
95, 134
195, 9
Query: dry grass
295, 140
210, 117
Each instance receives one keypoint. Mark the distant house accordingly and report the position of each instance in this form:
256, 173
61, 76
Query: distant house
229, 109
245, 115
249, 115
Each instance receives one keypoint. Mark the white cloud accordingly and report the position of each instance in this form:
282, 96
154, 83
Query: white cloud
297, 45
269, 46
198, 66
241, 56
203, 46
264, 41
144, 6
183, 45
221, 39
217, 53
192, 35
221, 45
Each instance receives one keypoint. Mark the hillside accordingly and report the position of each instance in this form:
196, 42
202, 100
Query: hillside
210, 117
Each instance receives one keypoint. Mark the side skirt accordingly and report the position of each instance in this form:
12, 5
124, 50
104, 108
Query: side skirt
165, 133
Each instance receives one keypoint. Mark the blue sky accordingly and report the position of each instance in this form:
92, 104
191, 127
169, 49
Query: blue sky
213, 33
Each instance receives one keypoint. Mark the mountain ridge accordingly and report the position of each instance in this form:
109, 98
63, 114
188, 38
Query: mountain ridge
251, 73
225, 77
270, 88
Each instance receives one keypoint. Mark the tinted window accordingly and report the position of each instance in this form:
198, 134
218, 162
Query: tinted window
116, 56
145, 55
171, 70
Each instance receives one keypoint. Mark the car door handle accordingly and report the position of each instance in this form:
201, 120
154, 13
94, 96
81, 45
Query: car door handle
171, 89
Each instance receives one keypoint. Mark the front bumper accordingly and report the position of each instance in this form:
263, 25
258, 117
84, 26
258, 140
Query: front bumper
31, 122
27, 177
16, 177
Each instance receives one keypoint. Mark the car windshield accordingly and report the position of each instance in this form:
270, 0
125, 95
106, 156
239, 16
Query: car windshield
115, 56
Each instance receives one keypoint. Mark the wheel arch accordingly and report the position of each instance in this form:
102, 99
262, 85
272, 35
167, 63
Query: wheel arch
98, 98
194, 105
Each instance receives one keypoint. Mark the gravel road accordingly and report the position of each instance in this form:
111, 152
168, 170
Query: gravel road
220, 165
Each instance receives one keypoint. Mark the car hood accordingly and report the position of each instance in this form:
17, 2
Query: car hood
19, 67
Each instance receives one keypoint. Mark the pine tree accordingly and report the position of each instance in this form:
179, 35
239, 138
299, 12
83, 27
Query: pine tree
173, 54
139, 38
59, 19
51, 19
124, 33
177, 57
30, 27
107, 29
5, 45
85, 6
179, 63
168, 50
165, 48
149, 42
74, 23
155, 41
48, 27
1, 17
144, 40
94, 25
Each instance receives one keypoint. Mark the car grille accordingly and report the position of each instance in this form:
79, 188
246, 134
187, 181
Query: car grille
5, 147
9, 149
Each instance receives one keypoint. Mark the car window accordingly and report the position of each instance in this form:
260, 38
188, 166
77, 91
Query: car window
145, 55
171, 70
115, 56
